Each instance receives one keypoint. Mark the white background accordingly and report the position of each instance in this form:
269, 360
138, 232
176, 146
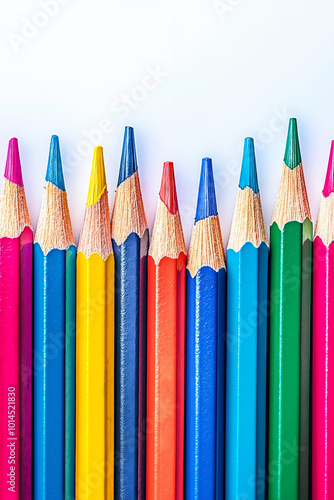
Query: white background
227, 69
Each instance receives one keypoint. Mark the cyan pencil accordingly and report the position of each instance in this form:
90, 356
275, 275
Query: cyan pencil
54, 296
247, 282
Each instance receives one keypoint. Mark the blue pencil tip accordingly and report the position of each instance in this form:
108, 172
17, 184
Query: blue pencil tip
128, 164
54, 171
248, 176
206, 202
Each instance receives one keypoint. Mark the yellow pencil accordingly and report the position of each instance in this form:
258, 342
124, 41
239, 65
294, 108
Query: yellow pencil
95, 345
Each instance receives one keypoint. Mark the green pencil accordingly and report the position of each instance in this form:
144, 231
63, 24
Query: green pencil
289, 354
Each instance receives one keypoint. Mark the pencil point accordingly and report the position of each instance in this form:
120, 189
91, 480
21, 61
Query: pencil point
13, 170
54, 171
329, 181
292, 156
98, 181
168, 189
128, 164
206, 202
248, 175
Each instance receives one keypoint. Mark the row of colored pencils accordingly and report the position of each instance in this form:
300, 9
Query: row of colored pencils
154, 374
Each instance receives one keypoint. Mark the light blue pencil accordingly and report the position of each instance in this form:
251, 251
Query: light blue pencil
247, 277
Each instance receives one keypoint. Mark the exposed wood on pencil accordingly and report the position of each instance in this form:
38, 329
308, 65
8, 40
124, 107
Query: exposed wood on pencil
14, 216
247, 222
206, 247
128, 213
54, 228
292, 201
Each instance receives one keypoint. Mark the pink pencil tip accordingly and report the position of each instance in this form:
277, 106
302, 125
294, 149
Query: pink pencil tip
168, 189
13, 170
329, 181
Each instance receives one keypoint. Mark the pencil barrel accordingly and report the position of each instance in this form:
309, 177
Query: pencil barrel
130, 366
322, 375
246, 371
205, 334
165, 378
49, 370
95, 377
289, 359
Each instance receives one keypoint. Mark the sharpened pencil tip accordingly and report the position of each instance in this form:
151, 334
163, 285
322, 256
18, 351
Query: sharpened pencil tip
13, 170
98, 181
128, 164
168, 189
248, 175
292, 156
329, 181
206, 201
54, 171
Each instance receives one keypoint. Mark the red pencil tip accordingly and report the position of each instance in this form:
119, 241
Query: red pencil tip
13, 165
329, 181
168, 189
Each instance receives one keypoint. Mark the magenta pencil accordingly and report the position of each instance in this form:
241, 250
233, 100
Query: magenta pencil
323, 343
15, 334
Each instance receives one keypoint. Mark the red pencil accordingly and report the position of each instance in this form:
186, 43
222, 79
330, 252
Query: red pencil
165, 347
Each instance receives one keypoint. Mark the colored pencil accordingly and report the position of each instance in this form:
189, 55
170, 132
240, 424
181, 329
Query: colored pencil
95, 344
54, 292
165, 347
15, 333
290, 303
129, 234
323, 346
246, 333
205, 352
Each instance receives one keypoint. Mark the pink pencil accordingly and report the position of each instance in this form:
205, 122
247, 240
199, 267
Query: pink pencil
15, 334
323, 343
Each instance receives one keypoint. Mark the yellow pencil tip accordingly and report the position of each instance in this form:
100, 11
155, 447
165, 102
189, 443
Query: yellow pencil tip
98, 181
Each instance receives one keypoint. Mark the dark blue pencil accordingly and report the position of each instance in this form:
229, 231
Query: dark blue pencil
130, 244
205, 353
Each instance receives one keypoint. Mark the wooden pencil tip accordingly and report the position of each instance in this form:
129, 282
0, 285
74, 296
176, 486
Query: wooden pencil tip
128, 164
54, 171
292, 156
206, 202
13, 171
168, 189
98, 181
329, 181
248, 175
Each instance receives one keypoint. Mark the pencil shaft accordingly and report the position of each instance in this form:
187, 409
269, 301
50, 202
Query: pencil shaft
130, 343
289, 363
165, 377
26, 341
323, 376
246, 349
49, 395
205, 329
9, 367
69, 479
95, 377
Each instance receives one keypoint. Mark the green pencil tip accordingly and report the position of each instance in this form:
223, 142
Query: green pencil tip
292, 156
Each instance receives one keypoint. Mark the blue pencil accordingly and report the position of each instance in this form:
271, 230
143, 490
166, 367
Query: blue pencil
54, 297
130, 245
247, 264
205, 352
